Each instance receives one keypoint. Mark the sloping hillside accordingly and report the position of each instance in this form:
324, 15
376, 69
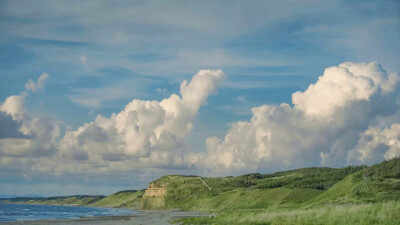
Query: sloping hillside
250, 191
128, 198
367, 196
380, 182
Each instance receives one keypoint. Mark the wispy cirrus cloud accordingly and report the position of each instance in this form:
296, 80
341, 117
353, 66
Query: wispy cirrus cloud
98, 97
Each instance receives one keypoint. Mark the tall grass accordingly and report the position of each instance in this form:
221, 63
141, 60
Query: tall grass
386, 213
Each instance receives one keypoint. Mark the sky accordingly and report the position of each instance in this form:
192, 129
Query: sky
102, 96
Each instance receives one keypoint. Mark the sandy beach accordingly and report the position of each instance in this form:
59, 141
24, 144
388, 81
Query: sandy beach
156, 217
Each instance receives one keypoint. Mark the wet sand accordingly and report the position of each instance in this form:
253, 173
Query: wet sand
144, 217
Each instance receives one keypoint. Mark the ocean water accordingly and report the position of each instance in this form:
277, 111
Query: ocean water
20, 212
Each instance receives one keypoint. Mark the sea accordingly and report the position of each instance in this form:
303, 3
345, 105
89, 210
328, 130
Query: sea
22, 212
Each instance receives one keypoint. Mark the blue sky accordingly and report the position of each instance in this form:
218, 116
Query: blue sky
102, 54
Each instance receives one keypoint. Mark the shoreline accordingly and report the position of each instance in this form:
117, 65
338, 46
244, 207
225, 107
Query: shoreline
156, 217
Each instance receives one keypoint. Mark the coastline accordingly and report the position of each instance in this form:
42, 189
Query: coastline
156, 217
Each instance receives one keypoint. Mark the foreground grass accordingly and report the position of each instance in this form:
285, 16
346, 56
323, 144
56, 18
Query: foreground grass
377, 213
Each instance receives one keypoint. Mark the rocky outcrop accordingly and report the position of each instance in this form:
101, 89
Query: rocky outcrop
155, 192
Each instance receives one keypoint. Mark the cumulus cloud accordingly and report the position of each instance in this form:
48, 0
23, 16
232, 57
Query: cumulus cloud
146, 134
378, 144
9, 128
341, 85
350, 115
13, 106
21, 135
144, 130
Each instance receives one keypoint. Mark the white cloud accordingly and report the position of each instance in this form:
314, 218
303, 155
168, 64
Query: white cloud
146, 134
378, 143
13, 106
33, 137
341, 85
38, 85
143, 129
350, 115
331, 123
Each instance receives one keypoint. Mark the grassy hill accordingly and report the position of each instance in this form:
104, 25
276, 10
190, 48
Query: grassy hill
380, 182
128, 198
370, 195
250, 191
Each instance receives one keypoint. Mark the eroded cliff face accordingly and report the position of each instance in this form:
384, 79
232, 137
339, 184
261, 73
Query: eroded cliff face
153, 197
156, 195
155, 191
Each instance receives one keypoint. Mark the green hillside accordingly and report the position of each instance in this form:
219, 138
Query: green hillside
128, 198
370, 195
380, 182
250, 191
81, 200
